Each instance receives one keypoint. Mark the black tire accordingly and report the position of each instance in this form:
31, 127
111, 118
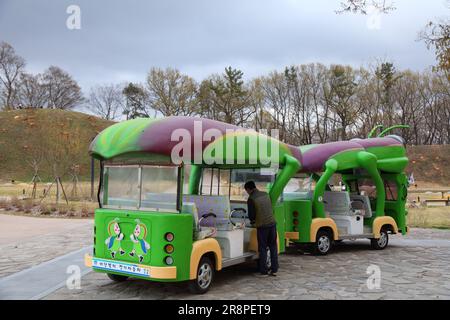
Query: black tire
117, 278
382, 242
323, 243
205, 277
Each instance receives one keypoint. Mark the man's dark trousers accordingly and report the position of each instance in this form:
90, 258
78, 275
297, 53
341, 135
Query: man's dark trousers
267, 237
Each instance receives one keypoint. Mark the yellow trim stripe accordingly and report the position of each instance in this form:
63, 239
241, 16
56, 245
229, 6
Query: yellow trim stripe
201, 247
292, 235
379, 222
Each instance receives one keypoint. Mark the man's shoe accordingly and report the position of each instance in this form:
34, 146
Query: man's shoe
273, 274
261, 275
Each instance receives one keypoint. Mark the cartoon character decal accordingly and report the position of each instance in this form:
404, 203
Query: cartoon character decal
140, 246
113, 242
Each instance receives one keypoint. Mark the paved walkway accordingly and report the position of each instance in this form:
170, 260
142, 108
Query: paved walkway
43, 279
413, 267
29, 241
37, 251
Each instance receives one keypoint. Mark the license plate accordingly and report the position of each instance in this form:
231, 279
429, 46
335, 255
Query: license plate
122, 267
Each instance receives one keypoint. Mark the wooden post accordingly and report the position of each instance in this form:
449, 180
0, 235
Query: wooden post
57, 190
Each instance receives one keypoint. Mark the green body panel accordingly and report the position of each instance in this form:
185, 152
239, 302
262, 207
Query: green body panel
157, 224
397, 209
318, 207
393, 165
279, 210
304, 218
388, 152
194, 179
390, 158
347, 159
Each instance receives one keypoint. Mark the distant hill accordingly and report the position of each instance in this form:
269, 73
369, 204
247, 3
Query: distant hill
66, 135
50, 135
430, 164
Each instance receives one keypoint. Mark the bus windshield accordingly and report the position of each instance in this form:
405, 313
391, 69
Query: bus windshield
151, 188
299, 187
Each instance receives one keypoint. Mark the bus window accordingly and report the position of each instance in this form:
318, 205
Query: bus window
159, 188
300, 184
122, 187
391, 190
240, 176
367, 187
299, 187
156, 185
215, 182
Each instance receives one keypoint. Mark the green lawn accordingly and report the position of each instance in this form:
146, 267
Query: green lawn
435, 217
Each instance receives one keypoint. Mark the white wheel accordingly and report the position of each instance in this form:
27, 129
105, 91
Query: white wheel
205, 275
381, 242
322, 246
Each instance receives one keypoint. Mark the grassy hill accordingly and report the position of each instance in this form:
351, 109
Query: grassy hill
64, 136
430, 164
48, 136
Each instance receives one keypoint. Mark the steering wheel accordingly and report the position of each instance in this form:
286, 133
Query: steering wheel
205, 216
243, 215
358, 206
359, 202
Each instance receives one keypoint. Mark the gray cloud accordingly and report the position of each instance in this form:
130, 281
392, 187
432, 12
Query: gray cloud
121, 40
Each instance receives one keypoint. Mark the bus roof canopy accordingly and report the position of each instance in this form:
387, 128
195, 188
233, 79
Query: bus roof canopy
216, 143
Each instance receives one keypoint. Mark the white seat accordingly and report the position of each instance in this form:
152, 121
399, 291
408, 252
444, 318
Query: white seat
337, 203
200, 232
366, 204
301, 195
219, 205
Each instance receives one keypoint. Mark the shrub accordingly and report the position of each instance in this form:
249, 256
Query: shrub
28, 205
63, 209
3, 204
43, 209
84, 212
14, 202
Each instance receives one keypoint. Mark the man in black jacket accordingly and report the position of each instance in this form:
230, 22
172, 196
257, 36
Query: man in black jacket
260, 212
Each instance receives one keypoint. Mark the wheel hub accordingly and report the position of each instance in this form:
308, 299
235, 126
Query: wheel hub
204, 276
324, 244
383, 239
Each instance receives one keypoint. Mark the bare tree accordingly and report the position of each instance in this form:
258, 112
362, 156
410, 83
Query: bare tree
437, 37
63, 91
31, 92
278, 102
172, 93
11, 65
256, 103
106, 101
362, 6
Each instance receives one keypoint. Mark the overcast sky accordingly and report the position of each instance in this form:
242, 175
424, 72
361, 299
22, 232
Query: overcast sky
121, 40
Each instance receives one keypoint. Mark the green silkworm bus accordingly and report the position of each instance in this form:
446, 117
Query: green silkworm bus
173, 208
